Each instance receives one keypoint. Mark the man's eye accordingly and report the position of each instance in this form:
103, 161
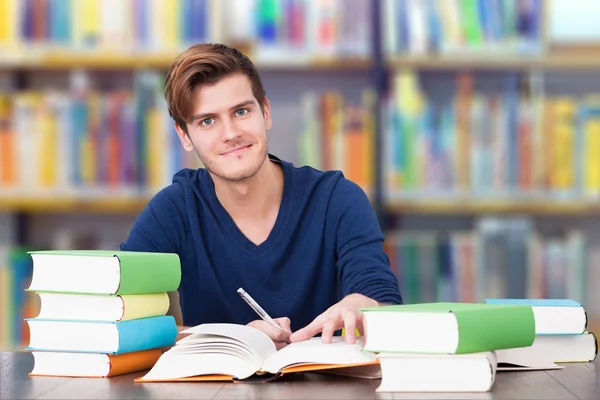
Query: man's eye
241, 111
206, 121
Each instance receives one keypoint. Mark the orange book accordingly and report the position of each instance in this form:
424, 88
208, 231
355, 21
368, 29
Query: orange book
7, 145
247, 354
464, 103
92, 365
356, 159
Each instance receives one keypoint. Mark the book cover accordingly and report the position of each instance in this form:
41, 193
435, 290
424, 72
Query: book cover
104, 272
552, 316
446, 327
102, 337
92, 365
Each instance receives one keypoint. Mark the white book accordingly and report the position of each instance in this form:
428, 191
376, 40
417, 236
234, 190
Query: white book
412, 372
548, 349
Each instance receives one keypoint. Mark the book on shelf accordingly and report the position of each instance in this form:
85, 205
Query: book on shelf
476, 28
470, 265
231, 352
488, 145
104, 272
448, 328
92, 365
406, 372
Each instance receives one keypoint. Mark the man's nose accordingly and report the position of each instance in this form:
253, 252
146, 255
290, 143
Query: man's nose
230, 130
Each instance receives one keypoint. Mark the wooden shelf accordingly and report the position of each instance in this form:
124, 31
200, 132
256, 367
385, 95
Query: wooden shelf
460, 206
589, 61
129, 204
73, 204
55, 59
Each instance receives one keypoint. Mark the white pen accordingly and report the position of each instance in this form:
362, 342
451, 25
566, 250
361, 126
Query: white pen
254, 305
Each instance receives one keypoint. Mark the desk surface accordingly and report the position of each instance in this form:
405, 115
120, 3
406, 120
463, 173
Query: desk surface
576, 381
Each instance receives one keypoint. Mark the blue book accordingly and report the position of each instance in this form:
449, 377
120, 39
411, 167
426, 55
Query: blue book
537, 302
102, 337
553, 316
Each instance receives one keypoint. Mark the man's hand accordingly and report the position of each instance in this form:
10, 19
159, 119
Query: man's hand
344, 314
281, 338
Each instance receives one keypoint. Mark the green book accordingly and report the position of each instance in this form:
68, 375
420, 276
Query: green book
448, 328
104, 272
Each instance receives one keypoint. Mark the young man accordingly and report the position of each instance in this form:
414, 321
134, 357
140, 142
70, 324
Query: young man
304, 244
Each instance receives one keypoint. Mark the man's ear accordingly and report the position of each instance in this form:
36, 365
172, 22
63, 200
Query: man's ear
267, 114
184, 138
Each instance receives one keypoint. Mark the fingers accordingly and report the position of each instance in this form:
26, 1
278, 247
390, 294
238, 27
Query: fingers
309, 330
328, 330
280, 345
349, 317
276, 334
285, 323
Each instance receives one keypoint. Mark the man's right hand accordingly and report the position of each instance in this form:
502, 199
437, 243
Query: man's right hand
281, 338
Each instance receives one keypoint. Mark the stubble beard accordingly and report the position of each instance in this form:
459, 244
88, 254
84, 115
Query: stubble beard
243, 175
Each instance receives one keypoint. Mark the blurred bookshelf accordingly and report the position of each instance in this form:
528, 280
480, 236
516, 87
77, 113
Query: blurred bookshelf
74, 204
506, 207
60, 60
470, 115
584, 60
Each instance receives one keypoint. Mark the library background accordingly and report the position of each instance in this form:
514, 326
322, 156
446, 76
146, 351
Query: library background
473, 126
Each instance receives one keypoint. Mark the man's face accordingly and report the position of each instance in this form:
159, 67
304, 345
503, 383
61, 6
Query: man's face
227, 130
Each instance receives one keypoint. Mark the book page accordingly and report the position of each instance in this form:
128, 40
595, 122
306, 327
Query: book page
256, 341
314, 351
214, 349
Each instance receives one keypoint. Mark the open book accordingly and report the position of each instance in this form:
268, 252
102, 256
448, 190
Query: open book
238, 352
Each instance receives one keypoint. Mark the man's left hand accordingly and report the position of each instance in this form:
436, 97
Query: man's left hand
344, 314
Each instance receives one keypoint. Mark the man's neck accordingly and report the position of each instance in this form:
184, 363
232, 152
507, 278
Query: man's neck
254, 197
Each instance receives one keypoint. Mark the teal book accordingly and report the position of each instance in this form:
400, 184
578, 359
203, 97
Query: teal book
448, 328
104, 272
552, 316
101, 337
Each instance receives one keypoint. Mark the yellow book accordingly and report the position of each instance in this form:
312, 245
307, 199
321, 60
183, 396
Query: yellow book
99, 307
591, 166
172, 22
156, 148
563, 136
9, 23
4, 18
48, 146
90, 20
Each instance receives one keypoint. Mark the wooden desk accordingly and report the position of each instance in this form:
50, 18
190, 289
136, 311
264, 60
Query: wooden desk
576, 381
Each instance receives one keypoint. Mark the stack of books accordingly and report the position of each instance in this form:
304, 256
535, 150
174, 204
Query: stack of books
102, 313
561, 334
444, 347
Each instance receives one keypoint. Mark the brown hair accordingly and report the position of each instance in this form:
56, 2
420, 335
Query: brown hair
205, 64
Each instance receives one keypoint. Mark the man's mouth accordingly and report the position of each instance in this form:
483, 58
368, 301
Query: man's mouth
236, 150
